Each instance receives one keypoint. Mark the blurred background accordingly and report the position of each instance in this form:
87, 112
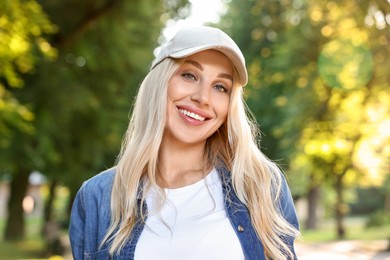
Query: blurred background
319, 88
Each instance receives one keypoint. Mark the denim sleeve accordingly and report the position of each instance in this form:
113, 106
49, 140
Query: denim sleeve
288, 211
77, 223
287, 205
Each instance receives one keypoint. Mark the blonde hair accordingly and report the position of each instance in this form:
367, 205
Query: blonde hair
256, 181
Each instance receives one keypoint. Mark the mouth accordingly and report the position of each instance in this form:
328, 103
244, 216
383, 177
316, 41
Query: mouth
192, 115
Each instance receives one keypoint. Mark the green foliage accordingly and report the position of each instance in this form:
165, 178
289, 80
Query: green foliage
318, 86
378, 219
72, 114
341, 64
23, 30
80, 73
367, 200
23, 27
313, 127
83, 99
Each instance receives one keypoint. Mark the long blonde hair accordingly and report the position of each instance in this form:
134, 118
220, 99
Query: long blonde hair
255, 179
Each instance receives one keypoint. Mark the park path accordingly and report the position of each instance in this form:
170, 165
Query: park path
343, 250
339, 250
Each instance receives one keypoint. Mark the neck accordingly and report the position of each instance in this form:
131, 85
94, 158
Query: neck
180, 165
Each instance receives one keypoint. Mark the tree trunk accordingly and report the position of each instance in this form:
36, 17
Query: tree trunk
48, 212
312, 202
386, 188
51, 228
340, 207
15, 229
388, 245
49, 203
72, 196
387, 202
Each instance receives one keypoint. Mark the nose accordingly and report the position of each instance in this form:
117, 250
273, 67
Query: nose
201, 94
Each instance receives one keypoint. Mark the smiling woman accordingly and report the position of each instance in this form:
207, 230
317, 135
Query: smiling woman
198, 100
190, 182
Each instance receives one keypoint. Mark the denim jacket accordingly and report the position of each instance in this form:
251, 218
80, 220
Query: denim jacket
91, 215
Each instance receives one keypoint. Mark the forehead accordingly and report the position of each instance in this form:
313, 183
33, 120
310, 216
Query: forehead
211, 57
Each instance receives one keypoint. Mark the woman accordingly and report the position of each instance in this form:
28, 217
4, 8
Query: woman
190, 181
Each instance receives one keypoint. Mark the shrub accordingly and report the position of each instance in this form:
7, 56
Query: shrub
378, 219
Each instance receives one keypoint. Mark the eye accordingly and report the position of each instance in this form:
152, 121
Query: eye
220, 88
189, 76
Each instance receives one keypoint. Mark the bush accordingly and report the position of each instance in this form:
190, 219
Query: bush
378, 219
367, 200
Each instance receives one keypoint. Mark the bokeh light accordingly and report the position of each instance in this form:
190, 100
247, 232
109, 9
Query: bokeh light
344, 65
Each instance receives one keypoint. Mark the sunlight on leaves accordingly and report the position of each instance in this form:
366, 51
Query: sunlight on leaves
344, 65
22, 22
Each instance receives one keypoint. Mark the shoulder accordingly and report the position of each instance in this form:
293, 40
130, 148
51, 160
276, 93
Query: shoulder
90, 217
99, 185
94, 196
101, 179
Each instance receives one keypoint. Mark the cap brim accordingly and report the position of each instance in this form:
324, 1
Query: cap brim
237, 63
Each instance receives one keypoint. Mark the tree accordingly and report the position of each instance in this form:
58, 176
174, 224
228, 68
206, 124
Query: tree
23, 27
79, 102
313, 103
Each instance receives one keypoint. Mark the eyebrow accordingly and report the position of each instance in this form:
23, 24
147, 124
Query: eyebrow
200, 67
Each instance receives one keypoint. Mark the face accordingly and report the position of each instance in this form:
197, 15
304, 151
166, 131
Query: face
198, 97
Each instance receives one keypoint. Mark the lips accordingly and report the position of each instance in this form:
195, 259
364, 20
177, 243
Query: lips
192, 115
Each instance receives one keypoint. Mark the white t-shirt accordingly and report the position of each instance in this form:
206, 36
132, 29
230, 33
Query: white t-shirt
192, 224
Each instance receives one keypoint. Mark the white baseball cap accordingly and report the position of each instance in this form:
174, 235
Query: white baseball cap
191, 40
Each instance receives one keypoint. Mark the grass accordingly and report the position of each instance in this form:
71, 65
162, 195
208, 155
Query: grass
355, 230
27, 249
33, 246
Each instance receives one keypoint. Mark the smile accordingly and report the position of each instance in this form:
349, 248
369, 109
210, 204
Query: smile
192, 115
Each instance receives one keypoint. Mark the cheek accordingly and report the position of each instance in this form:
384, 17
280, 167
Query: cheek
223, 108
175, 90
170, 92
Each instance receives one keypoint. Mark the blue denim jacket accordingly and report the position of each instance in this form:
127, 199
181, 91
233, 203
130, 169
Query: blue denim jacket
91, 217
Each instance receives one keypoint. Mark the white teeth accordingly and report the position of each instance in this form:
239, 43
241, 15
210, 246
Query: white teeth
192, 115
